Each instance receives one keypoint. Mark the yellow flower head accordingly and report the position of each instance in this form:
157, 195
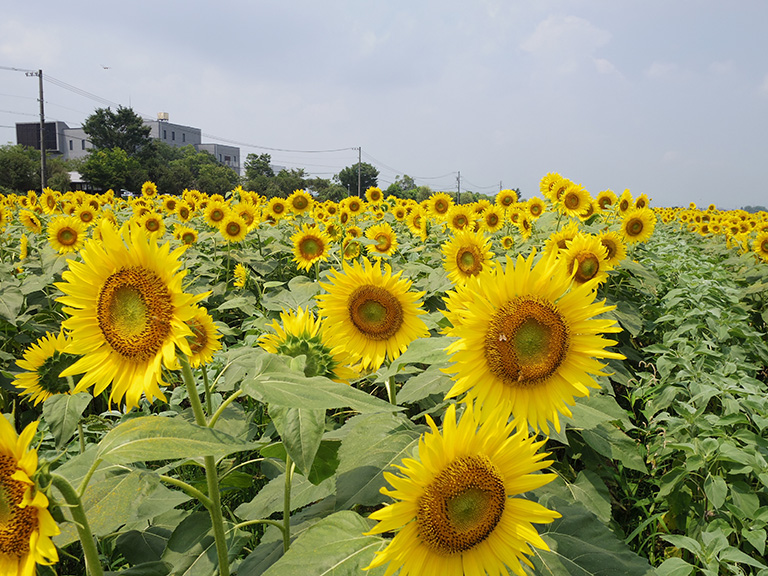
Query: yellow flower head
638, 225
457, 508
300, 202
241, 276
310, 245
67, 234
385, 238
465, 255
43, 363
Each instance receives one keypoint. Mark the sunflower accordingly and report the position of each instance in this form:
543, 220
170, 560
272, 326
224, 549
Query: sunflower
385, 238
638, 225
49, 201
559, 240
6, 216
625, 202
248, 212
615, 247
43, 363
277, 209
374, 195
438, 205
185, 234
492, 218
456, 510
574, 200
26, 525
642, 201
353, 205
507, 242
153, 223
351, 247
233, 228
241, 276
66, 234
760, 245
586, 258
299, 333
215, 212
465, 255
86, 214
606, 199
204, 341
525, 226
149, 189
310, 245
30, 221
528, 340
23, 247
183, 211
399, 212
417, 223
372, 313
535, 207
127, 313
505, 198
459, 217
300, 202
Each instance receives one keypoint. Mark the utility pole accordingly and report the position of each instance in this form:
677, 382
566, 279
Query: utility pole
458, 188
39, 75
359, 164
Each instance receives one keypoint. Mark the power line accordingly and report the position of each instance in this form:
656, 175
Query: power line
248, 145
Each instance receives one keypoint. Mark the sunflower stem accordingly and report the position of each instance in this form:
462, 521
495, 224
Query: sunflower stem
90, 552
190, 490
208, 401
391, 390
220, 410
211, 474
289, 467
81, 437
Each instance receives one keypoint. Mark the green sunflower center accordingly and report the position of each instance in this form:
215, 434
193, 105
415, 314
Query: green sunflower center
217, 215
462, 506
134, 311
16, 524
526, 342
233, 229
469, 260
300, 203
375, 312
383, 242
311, 247
587, 267
152, 224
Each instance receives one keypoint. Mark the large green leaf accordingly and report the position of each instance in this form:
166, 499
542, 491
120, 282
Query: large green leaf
159, 438
580, 545
610, 441
301, 431
334, 546
372, 444
422, 351
294, 390
432, 381
270, 498
11, 303
63, 412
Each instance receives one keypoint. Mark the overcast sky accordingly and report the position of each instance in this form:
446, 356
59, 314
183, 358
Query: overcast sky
664, 97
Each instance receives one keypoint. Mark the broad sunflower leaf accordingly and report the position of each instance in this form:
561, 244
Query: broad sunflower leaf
270, 498
158, 438
334, 546
301, 431
422, 351
11, 303
63, 412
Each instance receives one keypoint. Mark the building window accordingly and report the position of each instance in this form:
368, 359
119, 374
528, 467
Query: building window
82, 144
184, 137
70, 144
173, 135
165, 135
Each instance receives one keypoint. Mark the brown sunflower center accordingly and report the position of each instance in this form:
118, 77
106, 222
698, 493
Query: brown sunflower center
526, 342
16, 524
572, 200
587, 266
383, 242
610, 247
634, 227
217, 215
460, 221
441, 206
188, 237
605, 202
764, 246
492, 219
86, 216
152, 224
300, 203
469, 260
134, 312
66, 236
311, 247
233, 229
536, 209
375, 312
462, 506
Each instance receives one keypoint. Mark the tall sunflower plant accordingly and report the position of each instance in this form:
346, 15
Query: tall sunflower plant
234, 391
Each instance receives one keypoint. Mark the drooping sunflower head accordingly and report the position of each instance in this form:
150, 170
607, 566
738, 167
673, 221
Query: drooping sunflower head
127, 313
465, 255
310, 245
241, 276
455, 506
43, 363
371, 312
204, 341
299, 333
638, 225
385, 240
27, 526
30, 221
67, 234
417, 223
528, 340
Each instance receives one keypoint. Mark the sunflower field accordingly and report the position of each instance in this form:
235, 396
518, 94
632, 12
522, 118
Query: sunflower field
201, 385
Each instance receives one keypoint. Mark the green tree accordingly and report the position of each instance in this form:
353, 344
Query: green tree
216, 178
369, 176
401, 186
258, 165
113, 168
119, 129
19, 168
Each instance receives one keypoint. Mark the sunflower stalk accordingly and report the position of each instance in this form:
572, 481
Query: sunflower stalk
211, 474
391, 390
289, 468
92, 564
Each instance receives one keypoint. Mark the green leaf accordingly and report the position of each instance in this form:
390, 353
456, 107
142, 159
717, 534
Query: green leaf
608, 440
431, 381
159, 438
422, 351
590, 490
191, 549
675, 567
326, 461
139, 547
63, 412
756, 537
301, 292
716, 489
581, 545
11, 303
270, 498
294, 390
301, 431
334, 546
146, 569
372, 444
